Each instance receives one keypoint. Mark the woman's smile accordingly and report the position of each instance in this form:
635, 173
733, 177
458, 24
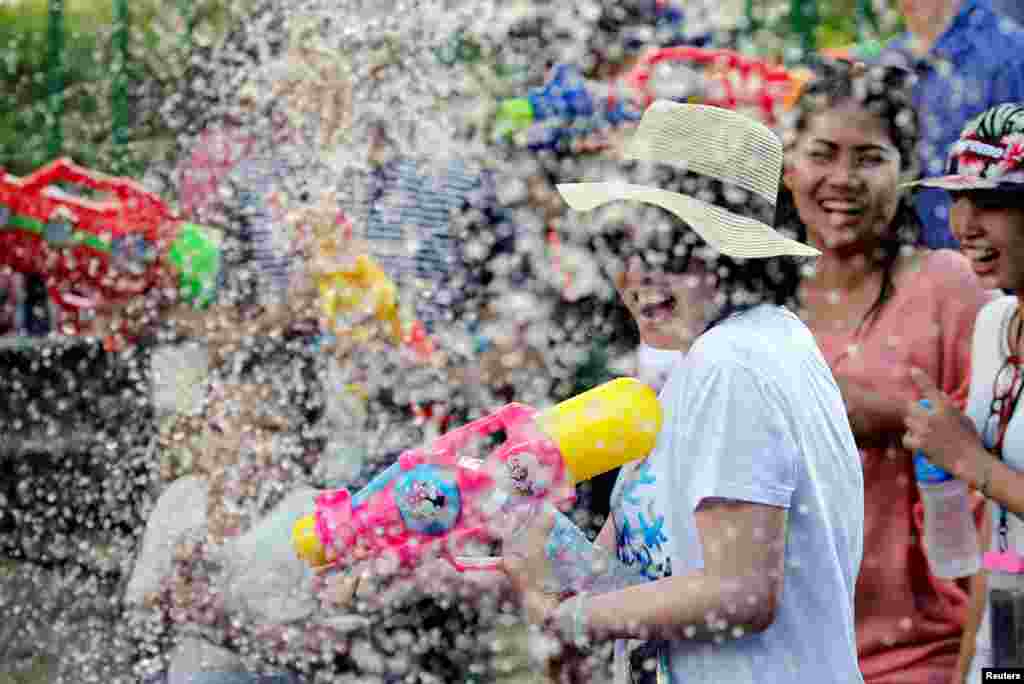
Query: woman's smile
656, 306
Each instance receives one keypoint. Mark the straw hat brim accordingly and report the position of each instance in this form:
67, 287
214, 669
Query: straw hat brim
715, 143
731, 234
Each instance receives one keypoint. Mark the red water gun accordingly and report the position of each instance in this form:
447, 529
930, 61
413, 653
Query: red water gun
731, 80
92, 251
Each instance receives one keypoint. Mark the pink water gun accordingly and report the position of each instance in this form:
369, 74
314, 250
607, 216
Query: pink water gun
450, 498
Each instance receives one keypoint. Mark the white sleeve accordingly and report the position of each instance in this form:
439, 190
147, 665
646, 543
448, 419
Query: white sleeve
736, 433
182, 507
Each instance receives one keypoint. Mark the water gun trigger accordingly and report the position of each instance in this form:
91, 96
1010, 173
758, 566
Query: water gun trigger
462, 561
534, 467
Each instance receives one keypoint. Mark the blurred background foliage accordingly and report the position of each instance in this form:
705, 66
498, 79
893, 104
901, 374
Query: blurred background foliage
158, 59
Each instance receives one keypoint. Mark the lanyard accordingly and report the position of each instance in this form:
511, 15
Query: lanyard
1005, 411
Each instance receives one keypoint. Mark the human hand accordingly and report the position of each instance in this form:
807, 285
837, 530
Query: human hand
946, 436
963, 664
529, 569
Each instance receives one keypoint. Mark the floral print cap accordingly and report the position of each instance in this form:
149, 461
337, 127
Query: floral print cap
989, 154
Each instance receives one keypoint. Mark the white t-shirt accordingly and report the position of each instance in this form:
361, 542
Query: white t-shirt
653, 366
753, 413
988, 352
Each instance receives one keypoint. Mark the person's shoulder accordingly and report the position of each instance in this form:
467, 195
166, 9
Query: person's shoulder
942, 269
993, 312
1000, 35
939, 260
765, 337
185, 491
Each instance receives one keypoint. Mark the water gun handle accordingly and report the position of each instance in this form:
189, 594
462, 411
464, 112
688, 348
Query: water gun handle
560, 494
65, 170
577, 564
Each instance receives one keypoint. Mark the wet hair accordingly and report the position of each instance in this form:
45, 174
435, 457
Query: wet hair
887, 93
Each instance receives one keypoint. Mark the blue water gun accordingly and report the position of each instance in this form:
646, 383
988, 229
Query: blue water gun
565, 107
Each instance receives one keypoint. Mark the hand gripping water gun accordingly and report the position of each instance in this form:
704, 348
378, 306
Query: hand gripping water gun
103, 251
448, 497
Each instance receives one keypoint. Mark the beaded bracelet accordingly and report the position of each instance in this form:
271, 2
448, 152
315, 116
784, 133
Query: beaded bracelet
986, 480
569, 620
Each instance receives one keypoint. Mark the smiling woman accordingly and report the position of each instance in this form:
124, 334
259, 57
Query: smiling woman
877, 308
985, 178
754, 430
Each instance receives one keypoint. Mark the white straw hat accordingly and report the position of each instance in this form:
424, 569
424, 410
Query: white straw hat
713, 142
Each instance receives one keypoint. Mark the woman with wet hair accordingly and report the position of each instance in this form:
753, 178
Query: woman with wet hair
878, 307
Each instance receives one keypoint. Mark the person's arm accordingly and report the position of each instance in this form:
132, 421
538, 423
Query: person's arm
975, 608
952, 442
736, 503
997, 481
879, 421
876, 420
735, 594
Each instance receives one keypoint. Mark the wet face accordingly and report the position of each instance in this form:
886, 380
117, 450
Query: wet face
844, 172
991, 234
670, 309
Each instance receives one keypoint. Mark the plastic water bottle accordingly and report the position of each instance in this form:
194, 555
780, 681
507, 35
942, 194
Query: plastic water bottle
950, 536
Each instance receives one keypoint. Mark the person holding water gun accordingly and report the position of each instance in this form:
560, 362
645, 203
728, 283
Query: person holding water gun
755, 481
456, 492
984, 446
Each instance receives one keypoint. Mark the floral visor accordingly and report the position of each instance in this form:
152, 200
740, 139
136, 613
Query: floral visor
988, 156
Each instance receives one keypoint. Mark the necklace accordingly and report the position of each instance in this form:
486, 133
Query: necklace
1003, 408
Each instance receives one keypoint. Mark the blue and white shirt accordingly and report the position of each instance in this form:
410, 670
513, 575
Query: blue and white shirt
976, 64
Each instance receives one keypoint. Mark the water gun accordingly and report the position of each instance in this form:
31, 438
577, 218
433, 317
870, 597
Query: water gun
101, 251
450, 497
353, 288
710, 76
360, 289
566, 107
